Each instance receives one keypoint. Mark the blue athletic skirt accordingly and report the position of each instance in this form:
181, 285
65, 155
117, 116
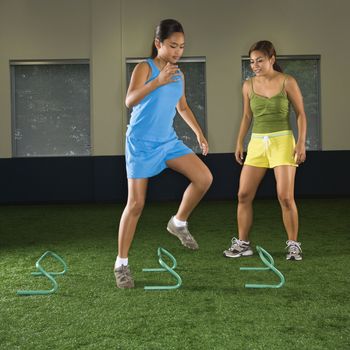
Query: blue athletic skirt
145, 159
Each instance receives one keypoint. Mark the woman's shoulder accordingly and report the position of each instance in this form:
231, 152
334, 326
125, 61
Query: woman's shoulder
247, 83
143, 65
286, 77
142, 69
288, 80
247, 87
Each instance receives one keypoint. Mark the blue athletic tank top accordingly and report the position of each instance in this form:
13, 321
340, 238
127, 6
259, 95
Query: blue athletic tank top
152, 118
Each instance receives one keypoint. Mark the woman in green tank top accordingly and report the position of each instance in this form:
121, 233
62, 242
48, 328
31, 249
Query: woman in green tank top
266, 98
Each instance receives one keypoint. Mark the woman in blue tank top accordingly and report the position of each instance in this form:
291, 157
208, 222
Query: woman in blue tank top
156, 90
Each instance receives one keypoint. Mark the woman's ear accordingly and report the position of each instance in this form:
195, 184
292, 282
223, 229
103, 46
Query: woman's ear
273, 60
157, 43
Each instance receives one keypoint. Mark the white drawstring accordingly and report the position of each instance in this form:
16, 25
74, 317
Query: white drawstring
267, 143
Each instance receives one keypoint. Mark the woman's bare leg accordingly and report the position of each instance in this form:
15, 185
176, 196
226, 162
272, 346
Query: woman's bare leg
248, 184
285, 176
200, 176
137, 189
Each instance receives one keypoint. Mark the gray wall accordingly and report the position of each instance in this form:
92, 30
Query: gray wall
108, 31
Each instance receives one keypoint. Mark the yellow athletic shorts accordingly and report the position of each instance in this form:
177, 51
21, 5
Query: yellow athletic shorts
271, 149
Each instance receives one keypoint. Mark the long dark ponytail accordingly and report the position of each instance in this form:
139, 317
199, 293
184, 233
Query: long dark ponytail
268, 49
164, 29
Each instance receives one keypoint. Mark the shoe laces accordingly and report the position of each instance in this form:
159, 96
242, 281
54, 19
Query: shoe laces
189, 237
125, 272
293, 247
236, 243
184, 231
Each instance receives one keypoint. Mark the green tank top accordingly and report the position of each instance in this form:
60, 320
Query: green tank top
270, 114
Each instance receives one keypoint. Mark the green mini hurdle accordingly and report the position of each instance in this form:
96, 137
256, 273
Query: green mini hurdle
165, 268
267, 259
49, 275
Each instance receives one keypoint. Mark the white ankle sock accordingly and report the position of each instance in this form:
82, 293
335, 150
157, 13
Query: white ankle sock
120, 261
179, 223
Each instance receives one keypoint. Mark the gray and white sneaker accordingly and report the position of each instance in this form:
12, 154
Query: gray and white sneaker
123, 277
238, 248
294, 250
183, 234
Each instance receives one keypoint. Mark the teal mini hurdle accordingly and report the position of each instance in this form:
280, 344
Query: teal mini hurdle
165, 268
49, 275
267, 259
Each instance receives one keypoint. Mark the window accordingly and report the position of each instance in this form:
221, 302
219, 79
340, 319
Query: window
194, 72
306, 71
50, 108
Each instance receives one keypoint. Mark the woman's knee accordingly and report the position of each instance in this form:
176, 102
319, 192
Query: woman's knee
208, 179
245, 196
286, 201
205, 180
135, 206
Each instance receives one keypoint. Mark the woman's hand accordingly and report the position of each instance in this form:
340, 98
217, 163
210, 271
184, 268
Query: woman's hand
169, 74
203, 144
300, 153
239, 154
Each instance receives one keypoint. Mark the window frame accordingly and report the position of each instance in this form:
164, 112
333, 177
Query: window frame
12, 66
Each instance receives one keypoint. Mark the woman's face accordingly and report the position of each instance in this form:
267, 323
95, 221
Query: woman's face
172, 48
260, 63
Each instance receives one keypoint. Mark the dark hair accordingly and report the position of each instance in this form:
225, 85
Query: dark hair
166, 28
268, 49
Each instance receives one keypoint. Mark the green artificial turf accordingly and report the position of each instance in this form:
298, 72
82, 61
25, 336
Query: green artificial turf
211, 310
